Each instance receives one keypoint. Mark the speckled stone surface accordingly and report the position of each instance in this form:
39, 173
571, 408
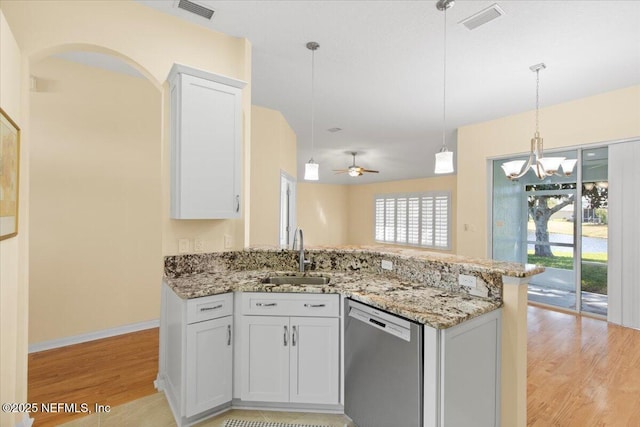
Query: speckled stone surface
435, 307
417, 266
423, 286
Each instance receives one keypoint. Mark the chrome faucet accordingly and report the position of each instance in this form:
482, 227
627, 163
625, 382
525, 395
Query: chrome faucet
302, 261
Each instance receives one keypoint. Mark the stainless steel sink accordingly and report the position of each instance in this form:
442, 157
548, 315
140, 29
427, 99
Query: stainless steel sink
297, 280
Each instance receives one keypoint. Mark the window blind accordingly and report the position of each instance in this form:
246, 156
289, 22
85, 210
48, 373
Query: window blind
415, 219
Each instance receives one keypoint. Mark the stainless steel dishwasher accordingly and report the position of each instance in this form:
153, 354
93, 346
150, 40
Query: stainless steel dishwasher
383, 368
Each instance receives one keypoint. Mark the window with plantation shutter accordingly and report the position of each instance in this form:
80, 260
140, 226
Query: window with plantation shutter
380, 219
414, 219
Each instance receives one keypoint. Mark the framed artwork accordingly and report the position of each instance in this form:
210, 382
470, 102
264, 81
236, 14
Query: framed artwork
9, 174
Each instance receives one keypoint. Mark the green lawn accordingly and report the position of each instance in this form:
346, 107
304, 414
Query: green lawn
594, 269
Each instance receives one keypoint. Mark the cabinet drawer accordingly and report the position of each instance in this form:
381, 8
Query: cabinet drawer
291, 304
211, 307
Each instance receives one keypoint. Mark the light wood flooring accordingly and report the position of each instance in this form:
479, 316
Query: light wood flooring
110, 371
582, 372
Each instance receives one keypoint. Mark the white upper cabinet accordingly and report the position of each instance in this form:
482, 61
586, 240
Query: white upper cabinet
206, 142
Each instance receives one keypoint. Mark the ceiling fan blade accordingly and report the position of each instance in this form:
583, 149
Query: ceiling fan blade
370, 171
337, 171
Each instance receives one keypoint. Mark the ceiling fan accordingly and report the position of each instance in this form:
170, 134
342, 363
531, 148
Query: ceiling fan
354, 170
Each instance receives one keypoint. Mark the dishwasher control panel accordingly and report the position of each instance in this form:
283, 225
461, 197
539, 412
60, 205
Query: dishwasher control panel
380, 320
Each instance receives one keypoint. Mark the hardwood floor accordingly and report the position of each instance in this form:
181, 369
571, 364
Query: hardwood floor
110, 371
581, 372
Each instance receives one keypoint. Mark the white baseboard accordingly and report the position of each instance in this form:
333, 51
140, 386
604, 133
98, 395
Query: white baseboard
90, 336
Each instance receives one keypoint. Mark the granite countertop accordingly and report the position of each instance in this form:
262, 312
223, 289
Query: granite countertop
506, 268
436, 307
513, 269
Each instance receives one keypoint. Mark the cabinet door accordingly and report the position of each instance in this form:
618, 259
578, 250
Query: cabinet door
315, 360
206, 150
209, 364
265, 358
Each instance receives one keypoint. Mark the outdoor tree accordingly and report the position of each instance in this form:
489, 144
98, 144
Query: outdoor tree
597, 195
541, 207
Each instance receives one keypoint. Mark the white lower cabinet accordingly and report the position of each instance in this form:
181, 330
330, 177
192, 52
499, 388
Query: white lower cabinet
196, 355
462, 373
209, 365
288, 354
314, 360
265, 358
290, 359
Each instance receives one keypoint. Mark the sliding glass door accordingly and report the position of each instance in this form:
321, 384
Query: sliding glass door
594, 231
551, 242
559, 223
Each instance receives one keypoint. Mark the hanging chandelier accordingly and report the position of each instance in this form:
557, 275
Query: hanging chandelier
540, 165
444, 158
311, 167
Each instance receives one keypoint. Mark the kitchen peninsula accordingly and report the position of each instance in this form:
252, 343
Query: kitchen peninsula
419, 286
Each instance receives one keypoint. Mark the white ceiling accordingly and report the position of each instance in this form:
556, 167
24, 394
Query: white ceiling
379, 69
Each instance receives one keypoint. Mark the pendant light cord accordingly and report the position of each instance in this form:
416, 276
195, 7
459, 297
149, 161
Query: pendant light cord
444, 84
537, 101
313, 115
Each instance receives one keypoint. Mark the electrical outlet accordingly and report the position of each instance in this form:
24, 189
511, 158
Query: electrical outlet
228, 241
467, 281
183, 246
387, 265
479, 292
198, 245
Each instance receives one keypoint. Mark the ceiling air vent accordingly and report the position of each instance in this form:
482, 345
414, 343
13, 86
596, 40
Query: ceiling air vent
192, 7
485, 15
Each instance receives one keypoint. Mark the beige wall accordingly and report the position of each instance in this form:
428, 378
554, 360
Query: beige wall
14, 252
41, 29
45, 28
361, 197
273, 149
322, 213
607, 117
96, 219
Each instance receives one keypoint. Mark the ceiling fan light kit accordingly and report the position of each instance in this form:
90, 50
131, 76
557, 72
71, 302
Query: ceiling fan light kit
311, 168
355, 170
444, 158
542, 166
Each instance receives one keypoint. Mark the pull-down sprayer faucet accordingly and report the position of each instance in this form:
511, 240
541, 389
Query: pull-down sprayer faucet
301, 261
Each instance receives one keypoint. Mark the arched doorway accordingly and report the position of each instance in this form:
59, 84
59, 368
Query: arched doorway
95, 196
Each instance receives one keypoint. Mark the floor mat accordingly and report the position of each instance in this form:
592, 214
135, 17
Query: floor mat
241, 423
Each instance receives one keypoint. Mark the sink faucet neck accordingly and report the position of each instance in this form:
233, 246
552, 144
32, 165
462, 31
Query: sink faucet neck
301, 261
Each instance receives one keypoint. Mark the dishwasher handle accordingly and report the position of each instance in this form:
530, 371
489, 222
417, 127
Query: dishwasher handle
377, 322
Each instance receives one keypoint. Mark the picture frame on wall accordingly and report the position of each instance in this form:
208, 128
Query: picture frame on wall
9, 175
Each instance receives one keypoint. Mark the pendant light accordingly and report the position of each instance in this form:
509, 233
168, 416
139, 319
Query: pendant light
311, 167
541, 166
444, 158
